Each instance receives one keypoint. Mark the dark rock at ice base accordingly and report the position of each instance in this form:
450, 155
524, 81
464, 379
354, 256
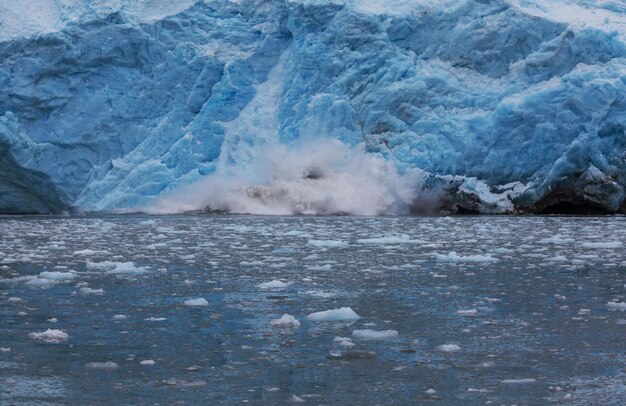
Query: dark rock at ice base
504, 106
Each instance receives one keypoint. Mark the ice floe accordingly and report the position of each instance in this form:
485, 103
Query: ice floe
452, 256
275, 284
116, 267
89, 291
50, 336
327, 244
317, 294
519, 381
616, 306
602, 245
390, 239
107, 365
342, 314
468, 312
285, 321
344, 342
199, 302
375, 335
448, 348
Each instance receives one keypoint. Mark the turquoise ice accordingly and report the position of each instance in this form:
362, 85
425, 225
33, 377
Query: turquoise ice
492, 106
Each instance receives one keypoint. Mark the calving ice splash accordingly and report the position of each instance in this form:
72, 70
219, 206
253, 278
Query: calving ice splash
320, 177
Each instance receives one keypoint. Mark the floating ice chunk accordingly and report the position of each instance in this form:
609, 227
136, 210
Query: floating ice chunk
519, 381
45, 279
126, 268
284, 250
616, 306
251, 263
116, 267
317, 294
88, 291
5, 349
350, 355
475, 390
368, 334
17, 279
448, 348
88, 252
286, 321
108, 365
557, 239
296, 399
8, 260
431, 391
296, 233
199, 302
607, 244
275, 284
390, 239
58, 276
344, 341
100, 266
185, 383
50, 336
454, 257
469, 312
558, 258
327, 244
14, 299
156, 319
119, 317
156, 246
342, 314
326, 267
147, 362
52, 320
41, 283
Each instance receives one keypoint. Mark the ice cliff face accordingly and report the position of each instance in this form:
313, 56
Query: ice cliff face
489, 106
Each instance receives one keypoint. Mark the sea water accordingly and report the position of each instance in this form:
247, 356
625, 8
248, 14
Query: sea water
210, 309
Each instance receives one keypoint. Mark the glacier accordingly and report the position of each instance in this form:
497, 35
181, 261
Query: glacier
312, 106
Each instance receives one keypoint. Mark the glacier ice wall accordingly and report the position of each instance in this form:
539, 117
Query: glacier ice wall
498, 105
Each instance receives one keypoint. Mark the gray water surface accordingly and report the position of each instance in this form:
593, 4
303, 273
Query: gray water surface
520, 303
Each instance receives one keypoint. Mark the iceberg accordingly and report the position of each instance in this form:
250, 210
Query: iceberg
469, 106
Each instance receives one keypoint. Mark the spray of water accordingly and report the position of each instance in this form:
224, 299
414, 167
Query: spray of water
313, 177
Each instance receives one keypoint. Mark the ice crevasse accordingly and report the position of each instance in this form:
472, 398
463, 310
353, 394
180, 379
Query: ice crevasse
312, 106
